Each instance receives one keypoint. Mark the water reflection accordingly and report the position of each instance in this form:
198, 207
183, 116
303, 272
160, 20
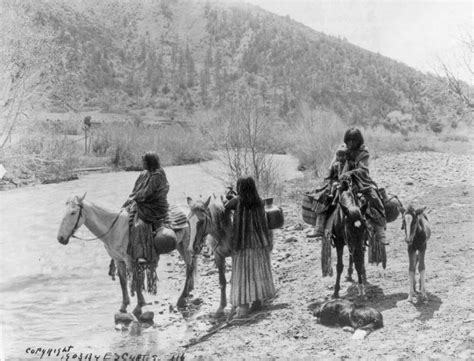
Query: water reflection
54, 296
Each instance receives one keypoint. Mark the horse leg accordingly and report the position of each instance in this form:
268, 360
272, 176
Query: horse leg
339, 268
411, 272
364, 274
220, 263
190, 261
122, 273
137, 311
350, 270
421, 269
359, 266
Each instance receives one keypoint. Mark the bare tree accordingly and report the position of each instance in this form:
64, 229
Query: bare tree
27, 53
245, 129
458, 87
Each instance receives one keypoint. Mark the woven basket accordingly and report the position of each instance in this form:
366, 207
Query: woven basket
309, 216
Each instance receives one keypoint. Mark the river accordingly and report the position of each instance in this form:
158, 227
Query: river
55, 296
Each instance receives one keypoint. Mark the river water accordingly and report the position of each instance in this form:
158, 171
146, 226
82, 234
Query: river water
55, 296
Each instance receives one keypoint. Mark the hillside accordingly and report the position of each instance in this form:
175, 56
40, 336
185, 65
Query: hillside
176, 57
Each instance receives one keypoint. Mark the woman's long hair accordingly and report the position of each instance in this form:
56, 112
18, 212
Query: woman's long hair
152, 161
247, 190
355, 135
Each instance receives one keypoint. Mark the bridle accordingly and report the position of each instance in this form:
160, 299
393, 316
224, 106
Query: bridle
76, 225
202, 226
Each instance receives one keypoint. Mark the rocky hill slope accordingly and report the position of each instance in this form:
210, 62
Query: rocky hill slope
176, 57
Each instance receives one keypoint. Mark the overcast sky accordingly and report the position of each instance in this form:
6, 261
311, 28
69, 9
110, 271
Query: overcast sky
417, 33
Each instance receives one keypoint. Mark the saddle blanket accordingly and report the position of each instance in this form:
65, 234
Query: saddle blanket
177, 218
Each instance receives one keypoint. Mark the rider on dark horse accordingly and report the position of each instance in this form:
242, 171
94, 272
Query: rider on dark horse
356, 167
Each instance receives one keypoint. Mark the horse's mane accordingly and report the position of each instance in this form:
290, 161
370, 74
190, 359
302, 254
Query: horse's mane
220, 219
412, 211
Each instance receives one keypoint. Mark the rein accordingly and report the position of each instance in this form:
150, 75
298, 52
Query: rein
74, 229
204, 231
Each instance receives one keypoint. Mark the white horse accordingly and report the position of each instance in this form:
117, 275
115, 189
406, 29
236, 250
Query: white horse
112, 228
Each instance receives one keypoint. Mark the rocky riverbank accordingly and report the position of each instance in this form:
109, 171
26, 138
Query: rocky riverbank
286, 329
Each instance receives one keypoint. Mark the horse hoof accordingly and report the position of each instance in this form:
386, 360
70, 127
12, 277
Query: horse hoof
335, 295
349, 279
137, 312
181, 303
219, 313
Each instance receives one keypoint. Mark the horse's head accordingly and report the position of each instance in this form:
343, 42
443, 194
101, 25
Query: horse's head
73, 218
411, 222
197, 217
354, 218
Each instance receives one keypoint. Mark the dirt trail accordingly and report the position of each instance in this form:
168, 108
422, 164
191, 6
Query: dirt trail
443, 328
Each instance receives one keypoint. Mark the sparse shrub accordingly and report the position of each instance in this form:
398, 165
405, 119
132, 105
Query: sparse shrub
122, 154
436, 127
454, 138
381, 140
46, 155
164, 104
314, 137
243, 126
101, 143
175, 145
137, 120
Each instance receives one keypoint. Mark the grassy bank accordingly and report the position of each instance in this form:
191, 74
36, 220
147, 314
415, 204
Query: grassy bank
55, 150
46, 150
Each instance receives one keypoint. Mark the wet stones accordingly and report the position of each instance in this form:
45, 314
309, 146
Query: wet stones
147, 317
123, 318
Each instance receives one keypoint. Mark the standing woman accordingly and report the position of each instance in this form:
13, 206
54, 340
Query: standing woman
252, 242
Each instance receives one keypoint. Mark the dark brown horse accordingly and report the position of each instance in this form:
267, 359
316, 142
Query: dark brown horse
349, 228
417, 233
377, 252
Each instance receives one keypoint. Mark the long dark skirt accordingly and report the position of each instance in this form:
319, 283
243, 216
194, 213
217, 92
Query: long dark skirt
252, 278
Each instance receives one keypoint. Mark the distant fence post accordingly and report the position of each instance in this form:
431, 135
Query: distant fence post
87, 139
